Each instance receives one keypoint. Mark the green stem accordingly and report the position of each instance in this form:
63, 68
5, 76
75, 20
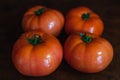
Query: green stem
86, 38
35, 39
39, 11
85, 16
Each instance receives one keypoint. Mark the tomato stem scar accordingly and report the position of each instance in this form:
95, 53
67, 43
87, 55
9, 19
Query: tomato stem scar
39, 11
86, 38
35, 39
85, 16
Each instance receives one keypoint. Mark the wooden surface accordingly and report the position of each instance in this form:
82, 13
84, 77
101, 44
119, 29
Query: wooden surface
11, 12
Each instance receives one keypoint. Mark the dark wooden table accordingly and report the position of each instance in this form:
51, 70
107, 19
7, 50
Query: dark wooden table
11, 13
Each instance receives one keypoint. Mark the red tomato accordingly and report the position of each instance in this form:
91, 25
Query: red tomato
87, 53
42, 18
82, 19
37, 54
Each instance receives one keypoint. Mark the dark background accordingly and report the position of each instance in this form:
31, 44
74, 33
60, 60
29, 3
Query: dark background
11, 13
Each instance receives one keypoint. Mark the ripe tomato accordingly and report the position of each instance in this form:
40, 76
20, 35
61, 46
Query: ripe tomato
82, 19
37, 54
42, 18
87, 53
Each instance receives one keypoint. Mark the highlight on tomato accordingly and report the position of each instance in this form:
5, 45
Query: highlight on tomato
87, 53
36, 53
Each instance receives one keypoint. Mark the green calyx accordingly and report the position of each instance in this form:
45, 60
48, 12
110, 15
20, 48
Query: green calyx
85, 16
35, 39
39, 11
86, 38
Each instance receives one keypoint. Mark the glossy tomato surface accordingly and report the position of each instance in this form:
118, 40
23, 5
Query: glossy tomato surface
50, 21
89, 54
83, 19
37, 54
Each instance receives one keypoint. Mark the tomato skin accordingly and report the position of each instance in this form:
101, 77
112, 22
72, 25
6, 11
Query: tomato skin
90, 57
39, 60
74, 22
50, 21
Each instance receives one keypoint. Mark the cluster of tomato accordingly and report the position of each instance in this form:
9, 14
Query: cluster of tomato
39, 53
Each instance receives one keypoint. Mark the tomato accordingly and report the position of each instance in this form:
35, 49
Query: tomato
83, 19
36, 53
50, 21
87, 53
